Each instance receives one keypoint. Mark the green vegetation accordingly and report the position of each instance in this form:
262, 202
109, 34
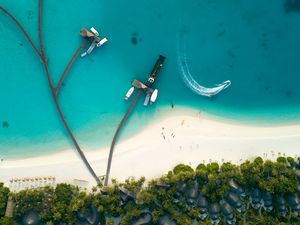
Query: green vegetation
172, 195
4, 191
5, 221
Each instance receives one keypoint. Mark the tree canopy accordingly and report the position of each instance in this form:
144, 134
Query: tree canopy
173, 196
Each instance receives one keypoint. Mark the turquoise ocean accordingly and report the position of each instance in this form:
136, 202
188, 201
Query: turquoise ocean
254, 44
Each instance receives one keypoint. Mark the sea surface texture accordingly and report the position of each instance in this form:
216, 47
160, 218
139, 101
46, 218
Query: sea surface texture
253, 44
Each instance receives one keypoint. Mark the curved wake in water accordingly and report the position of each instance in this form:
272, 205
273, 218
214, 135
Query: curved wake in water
191, 82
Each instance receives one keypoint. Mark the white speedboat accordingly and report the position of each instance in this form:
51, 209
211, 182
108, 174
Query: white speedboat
147, 99
129, 93
91, 48
153, 96
101, 42
93, 35
94, 31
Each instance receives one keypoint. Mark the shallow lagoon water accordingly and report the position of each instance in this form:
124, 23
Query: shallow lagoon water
255, 44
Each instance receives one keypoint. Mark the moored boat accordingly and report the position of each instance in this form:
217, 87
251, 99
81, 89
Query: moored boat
129, 93
153, 96
147, 99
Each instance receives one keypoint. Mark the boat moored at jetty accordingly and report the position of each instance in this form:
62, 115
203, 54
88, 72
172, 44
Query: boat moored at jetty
92, 35
129, 93
154, 96
151, 95
147, 99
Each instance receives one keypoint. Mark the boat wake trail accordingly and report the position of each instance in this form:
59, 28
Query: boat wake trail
190, 81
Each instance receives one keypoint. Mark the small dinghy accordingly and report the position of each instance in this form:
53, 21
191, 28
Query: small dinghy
147, 99
92, 35
129, 93
153, 96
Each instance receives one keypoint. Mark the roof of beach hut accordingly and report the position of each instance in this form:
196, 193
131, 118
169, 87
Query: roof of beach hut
297, 172
126, 195
235, 187
89, 217
255, 195
181, 187
234, 200
294, 201
165, 220
193, 191
214, 211
298, 189
202, 201
227, 210
164, 186
281, 203
143, 219
268, 198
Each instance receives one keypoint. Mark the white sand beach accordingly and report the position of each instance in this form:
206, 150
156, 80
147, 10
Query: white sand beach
181, 137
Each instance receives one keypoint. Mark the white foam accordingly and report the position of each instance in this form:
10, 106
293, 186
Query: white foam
189, 79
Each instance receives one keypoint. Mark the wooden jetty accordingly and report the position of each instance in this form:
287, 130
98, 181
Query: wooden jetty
141, 88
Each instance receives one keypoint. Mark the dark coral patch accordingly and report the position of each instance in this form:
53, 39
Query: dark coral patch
134, 40
288, 93
292, 6
221, 33
5, 124
231, 54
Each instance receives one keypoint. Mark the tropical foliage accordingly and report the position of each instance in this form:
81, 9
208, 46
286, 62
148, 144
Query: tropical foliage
176, 195
4, 191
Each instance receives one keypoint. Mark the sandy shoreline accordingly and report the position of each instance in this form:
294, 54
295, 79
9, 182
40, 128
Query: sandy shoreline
182, 137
